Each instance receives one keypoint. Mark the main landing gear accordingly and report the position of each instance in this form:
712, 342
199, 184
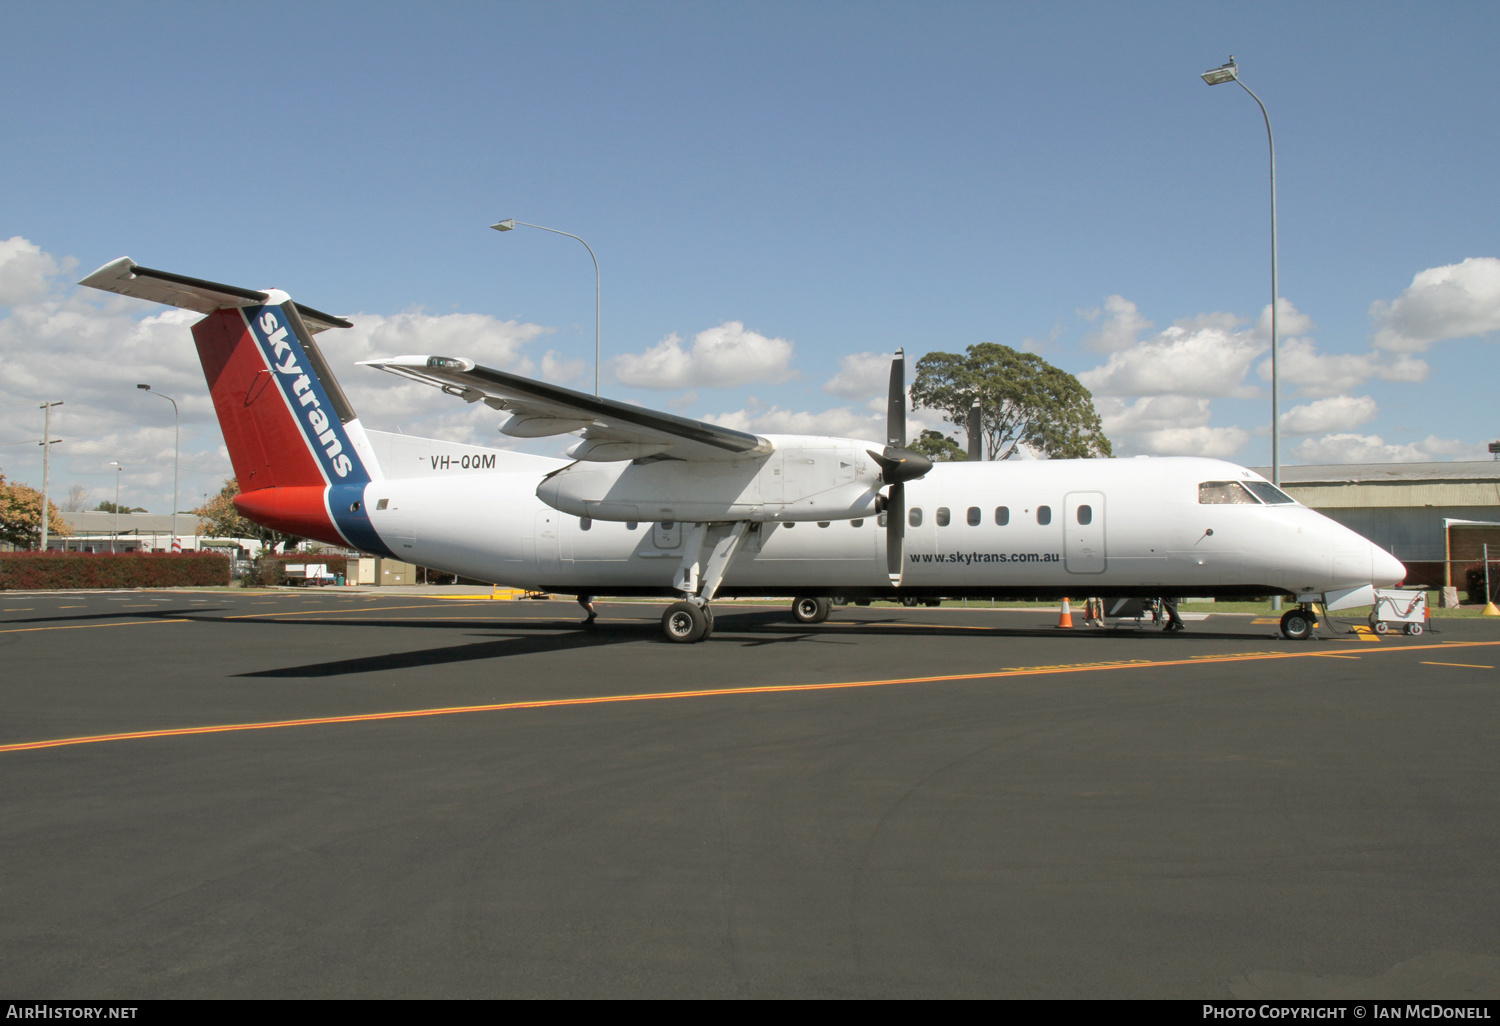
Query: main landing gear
690, 619
687, 621
811, 610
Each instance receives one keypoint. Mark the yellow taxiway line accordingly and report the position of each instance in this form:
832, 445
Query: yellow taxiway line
554, 703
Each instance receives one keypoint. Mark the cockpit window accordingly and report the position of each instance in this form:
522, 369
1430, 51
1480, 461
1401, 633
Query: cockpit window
1269, 493
1224, 493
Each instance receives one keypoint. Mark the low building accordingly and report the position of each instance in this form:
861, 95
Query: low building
97, 531
1434, 517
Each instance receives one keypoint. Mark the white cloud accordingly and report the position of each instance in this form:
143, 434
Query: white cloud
1453, 301
1122, 323
721, 356
561, 370
1207, 361
1170, 425
1339, 413
861, 376
1216, 442
1152, 413
1352, 448
25, 271
1301, 366
1289, 321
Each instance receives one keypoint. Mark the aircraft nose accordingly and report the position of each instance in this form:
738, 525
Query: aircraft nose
1385, 569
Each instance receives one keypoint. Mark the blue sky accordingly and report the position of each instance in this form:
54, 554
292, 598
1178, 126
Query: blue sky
780, 187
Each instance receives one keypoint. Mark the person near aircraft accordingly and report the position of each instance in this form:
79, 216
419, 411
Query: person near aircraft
1174, 622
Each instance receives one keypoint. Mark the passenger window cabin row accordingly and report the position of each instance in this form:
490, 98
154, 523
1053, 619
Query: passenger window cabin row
975, 516
1213, 493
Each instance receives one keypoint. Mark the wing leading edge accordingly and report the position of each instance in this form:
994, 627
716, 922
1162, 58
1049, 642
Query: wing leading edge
611, 430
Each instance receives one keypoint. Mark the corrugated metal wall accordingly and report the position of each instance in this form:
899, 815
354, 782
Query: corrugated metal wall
1398, 494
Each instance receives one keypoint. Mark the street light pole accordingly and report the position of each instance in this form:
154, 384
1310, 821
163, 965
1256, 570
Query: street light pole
176, 458
116, 537
1218, 76
510, 223
47, 442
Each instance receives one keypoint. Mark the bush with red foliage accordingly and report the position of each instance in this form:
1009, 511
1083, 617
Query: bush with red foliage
42, 571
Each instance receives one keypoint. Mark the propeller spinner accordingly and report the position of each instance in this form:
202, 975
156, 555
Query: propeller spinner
898, 465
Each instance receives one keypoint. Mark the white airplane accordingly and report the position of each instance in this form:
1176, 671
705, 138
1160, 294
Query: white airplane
654, 504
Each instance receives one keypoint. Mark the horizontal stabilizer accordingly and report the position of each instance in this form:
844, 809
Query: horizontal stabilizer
129, 278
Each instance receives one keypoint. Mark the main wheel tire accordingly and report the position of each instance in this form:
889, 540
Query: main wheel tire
911, 601
684, 623
811, 610
1296, 625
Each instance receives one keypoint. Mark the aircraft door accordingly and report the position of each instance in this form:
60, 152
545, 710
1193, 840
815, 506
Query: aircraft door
1083, 532
547, 549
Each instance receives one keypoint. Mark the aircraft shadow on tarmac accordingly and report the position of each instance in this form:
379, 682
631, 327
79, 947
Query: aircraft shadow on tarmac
151, 614
746, 630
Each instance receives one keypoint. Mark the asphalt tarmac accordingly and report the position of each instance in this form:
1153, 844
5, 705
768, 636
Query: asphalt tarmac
327, 794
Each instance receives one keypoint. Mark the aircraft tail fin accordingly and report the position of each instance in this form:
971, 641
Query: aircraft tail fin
298, 449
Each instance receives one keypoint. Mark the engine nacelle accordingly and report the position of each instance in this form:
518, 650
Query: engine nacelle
802, 479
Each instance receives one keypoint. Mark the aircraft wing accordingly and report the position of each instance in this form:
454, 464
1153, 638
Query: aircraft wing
611, 430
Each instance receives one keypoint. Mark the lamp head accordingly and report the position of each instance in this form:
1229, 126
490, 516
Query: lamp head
146, 387
504, 226
1223, 73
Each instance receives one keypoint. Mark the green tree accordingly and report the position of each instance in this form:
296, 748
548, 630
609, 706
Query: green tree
1022, 398
21, 516
109, 507
939, 448
223, 520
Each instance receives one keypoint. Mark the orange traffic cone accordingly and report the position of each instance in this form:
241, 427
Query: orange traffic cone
1066, 620
1490, 609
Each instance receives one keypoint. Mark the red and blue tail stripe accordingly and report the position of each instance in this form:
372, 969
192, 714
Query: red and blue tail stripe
289, 428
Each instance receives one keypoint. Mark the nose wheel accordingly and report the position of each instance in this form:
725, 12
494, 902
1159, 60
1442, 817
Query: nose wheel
1297, 624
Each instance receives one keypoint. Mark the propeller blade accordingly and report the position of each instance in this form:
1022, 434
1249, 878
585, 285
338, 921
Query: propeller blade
895, 532
976, 438
895, 410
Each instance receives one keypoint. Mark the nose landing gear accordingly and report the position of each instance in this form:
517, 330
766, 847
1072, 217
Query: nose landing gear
1297, 624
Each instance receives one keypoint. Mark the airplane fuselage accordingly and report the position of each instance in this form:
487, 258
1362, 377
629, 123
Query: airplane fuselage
1018, 528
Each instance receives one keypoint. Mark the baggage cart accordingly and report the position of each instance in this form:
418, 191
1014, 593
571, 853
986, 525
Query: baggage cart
1399, 606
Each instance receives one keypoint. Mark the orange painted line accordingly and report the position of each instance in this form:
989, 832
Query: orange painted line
771, 689
1467, 666
88, 626
314, 612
